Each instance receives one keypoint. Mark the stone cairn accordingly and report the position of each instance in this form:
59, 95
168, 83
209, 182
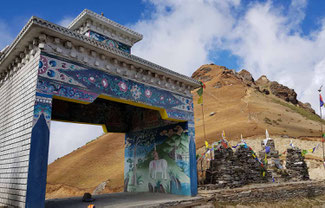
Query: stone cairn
296, 165
229, 169
271, 159
224, 170
253, 169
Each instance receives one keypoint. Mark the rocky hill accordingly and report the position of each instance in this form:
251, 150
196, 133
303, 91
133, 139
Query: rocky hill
236, 103
233, 101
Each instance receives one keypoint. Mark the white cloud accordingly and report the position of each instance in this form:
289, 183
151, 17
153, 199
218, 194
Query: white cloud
179, 35
268, 40
66, 137
66, 21
271, 43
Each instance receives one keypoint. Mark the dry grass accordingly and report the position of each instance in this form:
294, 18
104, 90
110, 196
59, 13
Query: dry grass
88, 166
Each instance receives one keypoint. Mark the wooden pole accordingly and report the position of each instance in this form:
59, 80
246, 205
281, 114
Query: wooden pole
321, 129
321, 123
205, 136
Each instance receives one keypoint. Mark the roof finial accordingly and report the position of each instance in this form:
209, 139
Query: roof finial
102, 14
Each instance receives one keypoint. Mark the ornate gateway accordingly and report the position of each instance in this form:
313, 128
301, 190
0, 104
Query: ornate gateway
86, 73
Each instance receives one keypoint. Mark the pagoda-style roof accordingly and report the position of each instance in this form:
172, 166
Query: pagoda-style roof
89, 20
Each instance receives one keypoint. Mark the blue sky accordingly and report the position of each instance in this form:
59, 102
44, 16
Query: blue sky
282, 39
127, 12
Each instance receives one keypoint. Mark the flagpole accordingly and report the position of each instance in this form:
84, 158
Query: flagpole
321, 127
205, 136
321, 123
200, 101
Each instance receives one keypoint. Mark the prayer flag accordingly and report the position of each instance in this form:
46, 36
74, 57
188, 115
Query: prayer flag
223, 134
267, 149
200, 100
224, 144
321, 100
267, 134
291, 144
200, 93
313, 149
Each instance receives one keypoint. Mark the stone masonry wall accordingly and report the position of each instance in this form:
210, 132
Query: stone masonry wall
264, 192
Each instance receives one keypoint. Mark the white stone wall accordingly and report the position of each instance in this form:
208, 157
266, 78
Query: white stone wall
17, 98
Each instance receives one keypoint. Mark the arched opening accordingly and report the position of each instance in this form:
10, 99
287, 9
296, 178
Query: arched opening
141, 153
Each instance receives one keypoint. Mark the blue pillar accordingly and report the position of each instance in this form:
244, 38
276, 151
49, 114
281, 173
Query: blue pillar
38, 156
192, 152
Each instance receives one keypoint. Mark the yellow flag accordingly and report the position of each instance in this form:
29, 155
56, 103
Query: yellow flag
206, 144
200, 100
265, 159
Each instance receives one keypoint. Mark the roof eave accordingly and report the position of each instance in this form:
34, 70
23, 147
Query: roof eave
105, 21
33, 28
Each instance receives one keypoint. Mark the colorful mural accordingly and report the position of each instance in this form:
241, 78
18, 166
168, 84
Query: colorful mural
70, 92
108, 41
85, 80
43, 106
157, 160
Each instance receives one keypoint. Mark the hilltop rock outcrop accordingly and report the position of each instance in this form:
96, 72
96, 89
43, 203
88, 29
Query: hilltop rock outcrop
246, 77
262, 81
283, 92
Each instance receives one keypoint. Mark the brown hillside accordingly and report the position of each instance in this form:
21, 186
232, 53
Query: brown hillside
241, 106
233, 102
85, 168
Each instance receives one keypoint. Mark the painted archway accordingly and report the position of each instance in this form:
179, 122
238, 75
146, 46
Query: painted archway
159, 126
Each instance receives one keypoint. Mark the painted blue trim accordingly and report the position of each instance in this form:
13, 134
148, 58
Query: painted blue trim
43, 95
109, 41
37, 170
193, 165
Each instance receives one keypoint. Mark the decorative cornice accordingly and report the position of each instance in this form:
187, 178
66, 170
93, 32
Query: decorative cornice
21, 60
46, 27
89, 20
112, 65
